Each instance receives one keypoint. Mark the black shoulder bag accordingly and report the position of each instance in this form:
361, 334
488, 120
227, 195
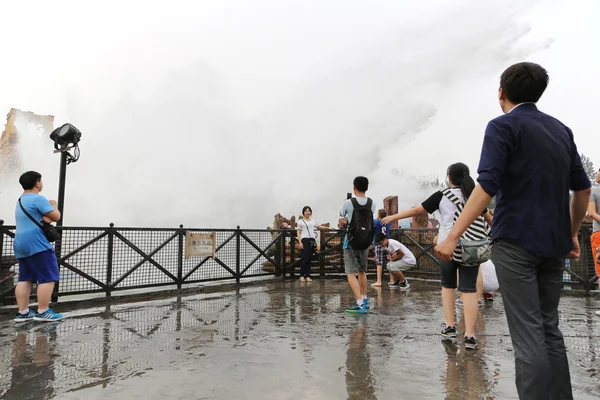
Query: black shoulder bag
50, 231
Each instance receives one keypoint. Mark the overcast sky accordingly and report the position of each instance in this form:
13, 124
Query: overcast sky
215, 114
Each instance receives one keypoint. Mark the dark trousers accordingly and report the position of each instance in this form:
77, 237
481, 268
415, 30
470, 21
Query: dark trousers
530, 287
306, 257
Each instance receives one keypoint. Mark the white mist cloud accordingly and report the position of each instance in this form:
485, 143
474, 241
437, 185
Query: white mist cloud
217, 114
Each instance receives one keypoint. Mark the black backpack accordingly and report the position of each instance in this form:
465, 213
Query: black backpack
361, 228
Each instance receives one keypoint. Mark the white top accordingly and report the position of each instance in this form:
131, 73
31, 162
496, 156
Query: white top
308, 228
447, 210
490, 280
394, 246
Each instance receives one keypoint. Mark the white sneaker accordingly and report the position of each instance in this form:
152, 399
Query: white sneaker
598, 313
302, 279
308, 279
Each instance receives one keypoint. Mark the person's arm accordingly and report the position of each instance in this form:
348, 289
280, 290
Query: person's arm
592, 209
47, 209
344, 211
397, 255
581, 186
579, 207
413, 212
299, 237
578, 210
325, 228
488, 217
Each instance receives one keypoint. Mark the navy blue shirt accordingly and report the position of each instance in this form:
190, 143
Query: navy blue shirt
529, 161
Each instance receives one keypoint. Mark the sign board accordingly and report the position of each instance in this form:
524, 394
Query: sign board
200, 244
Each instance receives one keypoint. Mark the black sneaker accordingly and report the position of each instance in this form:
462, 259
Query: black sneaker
395, 284
449, 332
470, 343
404, 285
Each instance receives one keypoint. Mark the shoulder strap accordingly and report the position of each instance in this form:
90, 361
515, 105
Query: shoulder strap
307, 229
356, 205
450, 196
29, 215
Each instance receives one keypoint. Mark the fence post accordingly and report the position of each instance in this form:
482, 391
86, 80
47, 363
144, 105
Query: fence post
321, 258
180, 257
292, 254
237, 254
58, 252
584, 240
283, 255
2, 299
1, 239
109, 258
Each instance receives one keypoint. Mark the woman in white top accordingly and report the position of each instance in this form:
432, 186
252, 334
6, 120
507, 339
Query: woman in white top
307, 239
461, 186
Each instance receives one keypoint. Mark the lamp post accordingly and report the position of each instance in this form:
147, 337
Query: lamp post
65, 138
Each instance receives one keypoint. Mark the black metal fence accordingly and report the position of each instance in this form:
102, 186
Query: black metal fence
110, 259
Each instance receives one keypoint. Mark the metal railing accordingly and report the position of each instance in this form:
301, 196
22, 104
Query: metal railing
110, 259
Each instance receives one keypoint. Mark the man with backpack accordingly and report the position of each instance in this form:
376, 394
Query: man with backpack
358, 212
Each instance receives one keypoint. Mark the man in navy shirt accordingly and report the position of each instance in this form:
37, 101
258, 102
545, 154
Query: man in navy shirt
529, 161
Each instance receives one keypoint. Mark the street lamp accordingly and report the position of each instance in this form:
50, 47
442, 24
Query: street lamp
65, 138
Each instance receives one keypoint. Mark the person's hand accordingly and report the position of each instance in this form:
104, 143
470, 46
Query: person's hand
46, 220
387, 220
435, 240
53, 203
300, 246
576, 252
445, 250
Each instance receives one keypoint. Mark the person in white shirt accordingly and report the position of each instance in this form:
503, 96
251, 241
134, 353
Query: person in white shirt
307, 239
487, 282
401, 259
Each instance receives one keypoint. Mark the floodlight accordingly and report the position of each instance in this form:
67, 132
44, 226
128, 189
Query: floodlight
65, 135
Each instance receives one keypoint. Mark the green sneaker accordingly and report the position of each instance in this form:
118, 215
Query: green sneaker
356, 309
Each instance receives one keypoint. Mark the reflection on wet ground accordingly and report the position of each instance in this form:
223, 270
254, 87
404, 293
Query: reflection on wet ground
278, 340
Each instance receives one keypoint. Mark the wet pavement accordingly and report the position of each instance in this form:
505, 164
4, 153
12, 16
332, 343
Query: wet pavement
279, 340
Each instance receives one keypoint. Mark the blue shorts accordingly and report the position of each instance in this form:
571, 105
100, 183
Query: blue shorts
41, 268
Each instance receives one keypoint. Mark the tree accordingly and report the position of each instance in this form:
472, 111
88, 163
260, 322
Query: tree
589, 168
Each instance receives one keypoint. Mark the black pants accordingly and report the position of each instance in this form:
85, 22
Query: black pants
306, 257
530, 287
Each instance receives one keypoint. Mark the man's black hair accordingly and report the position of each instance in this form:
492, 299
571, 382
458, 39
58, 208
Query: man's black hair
361, 183
29, 179
380, 237
524, 82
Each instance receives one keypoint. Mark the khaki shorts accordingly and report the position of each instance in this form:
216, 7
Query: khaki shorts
399, 265
355, 260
